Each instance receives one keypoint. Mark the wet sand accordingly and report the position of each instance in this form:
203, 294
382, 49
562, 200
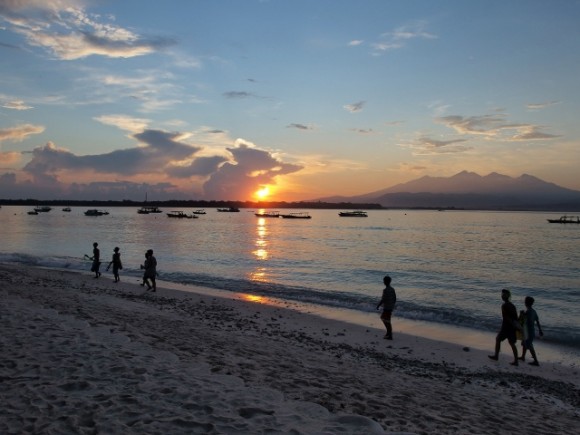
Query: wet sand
89, 355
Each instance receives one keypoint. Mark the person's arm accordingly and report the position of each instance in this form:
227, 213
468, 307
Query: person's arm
539, 326
380, 303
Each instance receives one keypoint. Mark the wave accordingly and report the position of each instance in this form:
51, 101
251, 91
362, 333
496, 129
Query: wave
411, 310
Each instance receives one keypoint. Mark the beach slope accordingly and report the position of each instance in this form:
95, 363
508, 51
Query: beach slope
84, 355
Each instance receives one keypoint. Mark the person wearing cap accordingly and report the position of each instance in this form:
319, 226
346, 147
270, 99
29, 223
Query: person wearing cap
509, 326
116, 262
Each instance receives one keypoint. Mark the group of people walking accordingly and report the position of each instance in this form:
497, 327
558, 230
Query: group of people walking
513, 327
149, 266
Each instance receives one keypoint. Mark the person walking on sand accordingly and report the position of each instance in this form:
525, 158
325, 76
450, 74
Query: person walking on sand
509, 326
96, 260
388, 302
531, 319
150, 273
116, 262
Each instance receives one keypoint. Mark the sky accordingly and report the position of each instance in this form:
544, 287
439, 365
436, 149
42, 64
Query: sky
282, 100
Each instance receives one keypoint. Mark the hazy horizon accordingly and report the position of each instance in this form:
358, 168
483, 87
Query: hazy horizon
282, 101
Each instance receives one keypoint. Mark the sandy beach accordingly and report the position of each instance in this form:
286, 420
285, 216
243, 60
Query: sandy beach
85, 355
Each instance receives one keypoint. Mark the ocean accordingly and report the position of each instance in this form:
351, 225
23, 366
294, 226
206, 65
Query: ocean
448, 267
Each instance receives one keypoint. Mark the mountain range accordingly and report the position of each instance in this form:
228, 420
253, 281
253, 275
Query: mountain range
468, 190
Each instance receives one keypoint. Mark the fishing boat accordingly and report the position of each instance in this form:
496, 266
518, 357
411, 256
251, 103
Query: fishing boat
147, 209
200, 211
565, 220
32, 212
297, 215
95, 212
229, 210
42, 209
67, 209
354, 213
180, 215
268, 214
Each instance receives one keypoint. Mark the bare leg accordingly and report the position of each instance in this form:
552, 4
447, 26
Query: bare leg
497, 349
515, 351
533, 353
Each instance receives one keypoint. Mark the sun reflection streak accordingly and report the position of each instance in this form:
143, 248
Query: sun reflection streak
261, 251
254, 298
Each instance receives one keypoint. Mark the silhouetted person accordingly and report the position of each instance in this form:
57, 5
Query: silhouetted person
116, 263
150, 273
388, 301
531, 319
96, 260
509, 326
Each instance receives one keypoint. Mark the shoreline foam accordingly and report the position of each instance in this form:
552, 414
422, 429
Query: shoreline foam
165, 362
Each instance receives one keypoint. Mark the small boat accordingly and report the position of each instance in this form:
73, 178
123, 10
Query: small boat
95, 212
32, 212
565, 220
297, 215
42, 209
200, 211
229, 210
180, 215
354, 213
147, 209
268, 214
67, 209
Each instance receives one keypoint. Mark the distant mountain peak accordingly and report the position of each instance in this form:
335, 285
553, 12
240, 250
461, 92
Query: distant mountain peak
465, 187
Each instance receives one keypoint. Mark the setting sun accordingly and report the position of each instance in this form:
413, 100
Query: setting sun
263, 192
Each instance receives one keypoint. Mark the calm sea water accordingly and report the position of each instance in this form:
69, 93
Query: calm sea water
447, 267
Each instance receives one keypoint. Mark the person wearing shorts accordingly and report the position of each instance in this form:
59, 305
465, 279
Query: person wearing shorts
509, 326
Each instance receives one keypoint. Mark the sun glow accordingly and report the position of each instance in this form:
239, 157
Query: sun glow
263, 193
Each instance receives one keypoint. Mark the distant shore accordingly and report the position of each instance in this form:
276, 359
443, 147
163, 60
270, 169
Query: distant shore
311, 205
172, 361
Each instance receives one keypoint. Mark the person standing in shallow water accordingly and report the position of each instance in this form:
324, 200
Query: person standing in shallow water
531, 318
96, 260
116, 263
388, 302
509, 326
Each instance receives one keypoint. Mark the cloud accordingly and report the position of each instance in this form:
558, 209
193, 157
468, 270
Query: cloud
124, 122
539, 106
355, 107
428, 146
355, 42
532, 133
300, 126
16, 105
153, 89
363, 130
239, 95
161, 150
64, 28
200, 167
10, 159
250, 169
400, 37
494, 126
20, 132
229, 173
